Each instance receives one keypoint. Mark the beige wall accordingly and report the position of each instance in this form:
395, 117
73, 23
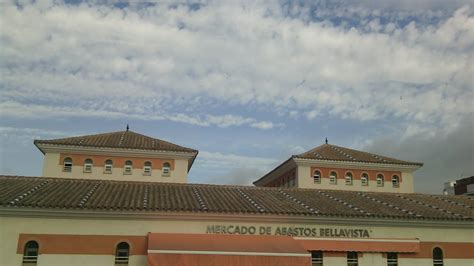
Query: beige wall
10, 228
53, 168
305, 180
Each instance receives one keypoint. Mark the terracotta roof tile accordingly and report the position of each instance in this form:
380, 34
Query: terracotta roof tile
121, 139
123, 196
337, 153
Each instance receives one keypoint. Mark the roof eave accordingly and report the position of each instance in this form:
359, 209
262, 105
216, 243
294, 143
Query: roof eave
274, 169
413, 165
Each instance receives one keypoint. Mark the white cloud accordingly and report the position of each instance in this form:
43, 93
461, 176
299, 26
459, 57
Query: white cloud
35, 111
167, 63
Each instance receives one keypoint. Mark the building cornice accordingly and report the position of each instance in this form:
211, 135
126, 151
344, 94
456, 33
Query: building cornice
216, 217
355, 165
51, 148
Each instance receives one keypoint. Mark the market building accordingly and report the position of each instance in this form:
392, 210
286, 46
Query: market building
121, 219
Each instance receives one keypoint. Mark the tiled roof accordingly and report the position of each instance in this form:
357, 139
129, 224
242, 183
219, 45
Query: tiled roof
121, 139
337, 153
121, 196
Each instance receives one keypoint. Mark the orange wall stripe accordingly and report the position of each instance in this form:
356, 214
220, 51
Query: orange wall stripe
83, 244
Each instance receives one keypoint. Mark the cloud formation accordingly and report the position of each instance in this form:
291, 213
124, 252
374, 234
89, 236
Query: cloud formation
274, 68
167, 62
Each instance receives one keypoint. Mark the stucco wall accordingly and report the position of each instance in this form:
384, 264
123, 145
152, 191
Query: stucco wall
53, 167
11, 228
305, 180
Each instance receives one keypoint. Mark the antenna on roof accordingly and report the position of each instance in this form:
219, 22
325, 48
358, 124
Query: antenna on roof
128, 127
326, 140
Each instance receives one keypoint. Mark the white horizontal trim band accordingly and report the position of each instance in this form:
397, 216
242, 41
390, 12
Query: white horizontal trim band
361, 240
207, 252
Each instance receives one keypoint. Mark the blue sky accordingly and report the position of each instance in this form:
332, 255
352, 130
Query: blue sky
248, 84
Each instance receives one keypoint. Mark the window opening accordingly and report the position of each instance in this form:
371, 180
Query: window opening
147, 168
348, 178
316, 258
333, 178
30, 254
438, 257
395, 181
352, 259
122, 253
127, 169
380, 180
166, 169
108, 166
88, 166
67, 166
317, 177
364, 179
392, 259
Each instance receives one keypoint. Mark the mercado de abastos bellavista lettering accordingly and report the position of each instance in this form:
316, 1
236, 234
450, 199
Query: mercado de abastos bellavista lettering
295, 231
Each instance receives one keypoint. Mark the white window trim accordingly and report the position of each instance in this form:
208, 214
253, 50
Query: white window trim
395, 182
380, 181
317, 177
87, 168
127, 170
107, 170
332, 179
349, 180
366, 183
147, 170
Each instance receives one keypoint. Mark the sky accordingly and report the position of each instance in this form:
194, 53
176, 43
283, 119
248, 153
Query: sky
246, 83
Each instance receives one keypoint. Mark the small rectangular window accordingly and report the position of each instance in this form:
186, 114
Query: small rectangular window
127, 170
392, 259
67, 167
166, 171
316, 258
348, 180
108, 169
147, 170
87, 168
352, 259
332, 180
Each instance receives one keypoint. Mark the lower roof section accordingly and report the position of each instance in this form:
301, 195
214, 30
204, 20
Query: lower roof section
36, 194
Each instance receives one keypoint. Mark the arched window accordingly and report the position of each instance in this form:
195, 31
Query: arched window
364, 179
127, 169
392, 259
395, 181
108, 166
30, 254
122, 253
316, 258
438, 257
147, 168
349, 178
88, 166
317, 177
166, 169
352, 259
380, 180
333, 178
67, 164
